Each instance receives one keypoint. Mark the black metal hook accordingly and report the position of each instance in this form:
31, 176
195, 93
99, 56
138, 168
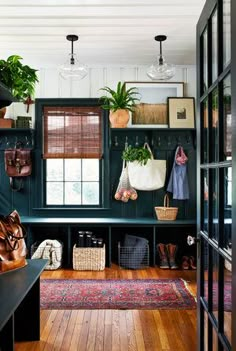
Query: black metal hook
126, 141
178, 140
116, 141
188, 139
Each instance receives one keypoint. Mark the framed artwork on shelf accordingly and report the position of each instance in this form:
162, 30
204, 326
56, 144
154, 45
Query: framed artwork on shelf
181, 112
151, 111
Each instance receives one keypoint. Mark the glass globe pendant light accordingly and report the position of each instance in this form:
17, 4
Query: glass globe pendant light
72, 68
161, 70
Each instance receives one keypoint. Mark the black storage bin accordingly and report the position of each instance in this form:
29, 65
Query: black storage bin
134, 252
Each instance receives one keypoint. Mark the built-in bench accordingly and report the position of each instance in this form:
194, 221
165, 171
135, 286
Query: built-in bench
112, 230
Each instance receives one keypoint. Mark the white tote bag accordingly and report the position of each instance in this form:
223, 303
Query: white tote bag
147, 177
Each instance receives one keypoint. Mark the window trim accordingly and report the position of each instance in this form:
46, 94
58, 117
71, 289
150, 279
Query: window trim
38, 196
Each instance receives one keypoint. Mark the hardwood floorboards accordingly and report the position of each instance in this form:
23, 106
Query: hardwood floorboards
117, 330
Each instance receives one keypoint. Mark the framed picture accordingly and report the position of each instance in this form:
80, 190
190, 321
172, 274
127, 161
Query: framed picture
181, 112
151, 111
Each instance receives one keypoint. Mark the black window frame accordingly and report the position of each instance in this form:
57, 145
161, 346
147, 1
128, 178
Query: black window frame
39, 198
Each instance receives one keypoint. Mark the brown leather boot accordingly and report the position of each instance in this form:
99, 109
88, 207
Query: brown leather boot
161, 248
171, 250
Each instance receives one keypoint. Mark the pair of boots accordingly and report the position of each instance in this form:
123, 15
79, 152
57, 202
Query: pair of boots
167, 255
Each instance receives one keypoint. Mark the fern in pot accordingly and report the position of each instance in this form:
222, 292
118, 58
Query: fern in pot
119, 102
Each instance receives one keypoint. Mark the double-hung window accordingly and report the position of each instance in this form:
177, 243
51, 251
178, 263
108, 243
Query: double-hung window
73, 155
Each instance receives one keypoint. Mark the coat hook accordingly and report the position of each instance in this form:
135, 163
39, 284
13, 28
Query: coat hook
159, 141
136, 141
168, 140
179, 140
7, 142
146, 139
188, 139
126, 142
27, 141
16, 141
116, 141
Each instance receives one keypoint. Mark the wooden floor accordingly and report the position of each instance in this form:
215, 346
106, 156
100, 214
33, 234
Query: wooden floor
117, 330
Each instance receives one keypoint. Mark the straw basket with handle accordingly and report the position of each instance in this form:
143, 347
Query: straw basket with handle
166, 213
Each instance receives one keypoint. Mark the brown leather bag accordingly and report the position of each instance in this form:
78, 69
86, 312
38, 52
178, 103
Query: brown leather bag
12, 242
18, 164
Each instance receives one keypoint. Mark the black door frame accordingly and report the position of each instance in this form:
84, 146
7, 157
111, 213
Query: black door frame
203, 21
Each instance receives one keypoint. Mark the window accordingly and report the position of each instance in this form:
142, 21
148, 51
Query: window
74, 147
72, 181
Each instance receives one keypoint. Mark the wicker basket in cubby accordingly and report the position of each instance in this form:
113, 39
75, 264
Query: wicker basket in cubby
89, 258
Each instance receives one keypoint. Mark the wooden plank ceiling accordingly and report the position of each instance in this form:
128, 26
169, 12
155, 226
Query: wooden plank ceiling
114, 32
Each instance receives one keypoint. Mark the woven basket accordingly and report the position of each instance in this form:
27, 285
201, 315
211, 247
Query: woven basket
89, 258
166, 213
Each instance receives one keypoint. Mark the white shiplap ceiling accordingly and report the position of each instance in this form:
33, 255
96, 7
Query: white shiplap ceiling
115, 32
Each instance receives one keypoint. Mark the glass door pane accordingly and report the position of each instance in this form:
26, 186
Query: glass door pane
205, 64
205, 217
214, 47
227, 231
215, 127
226, 32
204, 132
215, 285
215, 205
227, 118
228, 301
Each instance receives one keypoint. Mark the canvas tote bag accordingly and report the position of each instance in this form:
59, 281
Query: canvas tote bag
147, 177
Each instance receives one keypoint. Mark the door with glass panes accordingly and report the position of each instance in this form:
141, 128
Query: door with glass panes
215, 140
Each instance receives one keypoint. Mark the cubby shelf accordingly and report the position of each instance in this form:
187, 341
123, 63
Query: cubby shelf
112, 230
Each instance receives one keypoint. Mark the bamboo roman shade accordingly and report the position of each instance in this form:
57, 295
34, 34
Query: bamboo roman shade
72, 132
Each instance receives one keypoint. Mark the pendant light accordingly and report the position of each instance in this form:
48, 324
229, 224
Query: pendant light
72, 68
161, 70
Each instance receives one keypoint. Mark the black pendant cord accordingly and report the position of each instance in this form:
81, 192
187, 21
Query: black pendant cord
72, 38
161, 58
72, 60
160, 38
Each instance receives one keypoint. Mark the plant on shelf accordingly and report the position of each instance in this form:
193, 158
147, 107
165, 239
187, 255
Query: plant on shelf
18, 78
119, 102
139, 154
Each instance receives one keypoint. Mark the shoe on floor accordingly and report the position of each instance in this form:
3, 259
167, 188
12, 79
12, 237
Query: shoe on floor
185, 262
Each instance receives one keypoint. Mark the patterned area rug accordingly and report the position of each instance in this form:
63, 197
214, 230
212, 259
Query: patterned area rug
115, 294
215, 295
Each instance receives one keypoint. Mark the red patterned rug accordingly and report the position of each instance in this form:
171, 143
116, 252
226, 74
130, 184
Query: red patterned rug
115, 294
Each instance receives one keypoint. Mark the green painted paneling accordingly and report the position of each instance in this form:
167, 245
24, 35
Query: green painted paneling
163, 143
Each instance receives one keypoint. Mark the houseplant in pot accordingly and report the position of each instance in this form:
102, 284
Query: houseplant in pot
119, 102
18, 78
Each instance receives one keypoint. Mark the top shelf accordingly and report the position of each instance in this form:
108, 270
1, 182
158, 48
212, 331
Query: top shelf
149, 128
12, 130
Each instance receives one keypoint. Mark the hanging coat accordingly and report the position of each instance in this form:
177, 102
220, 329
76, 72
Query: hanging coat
178, 182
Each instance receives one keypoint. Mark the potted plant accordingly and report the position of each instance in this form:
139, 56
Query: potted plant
119, 102
18, 78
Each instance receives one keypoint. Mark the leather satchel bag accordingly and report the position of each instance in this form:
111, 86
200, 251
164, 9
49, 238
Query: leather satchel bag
18, 164
12, 242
